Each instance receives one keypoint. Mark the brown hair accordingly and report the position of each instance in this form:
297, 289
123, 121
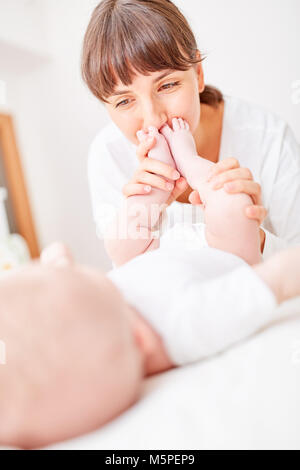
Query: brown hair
151, 34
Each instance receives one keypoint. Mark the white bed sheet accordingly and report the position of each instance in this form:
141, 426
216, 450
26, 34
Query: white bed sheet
247, 397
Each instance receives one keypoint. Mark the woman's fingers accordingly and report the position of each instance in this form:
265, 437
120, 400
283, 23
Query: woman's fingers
237, 174
132, 189
223, 165
151, 173
258, 213
159, 168
144, 147
143, 181
180, 186
154, 180
194, 198
251, 188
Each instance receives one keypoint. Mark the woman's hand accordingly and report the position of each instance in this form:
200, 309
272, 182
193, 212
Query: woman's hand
151, 173
228, 173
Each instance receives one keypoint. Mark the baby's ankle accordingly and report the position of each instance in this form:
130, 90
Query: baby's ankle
196, 171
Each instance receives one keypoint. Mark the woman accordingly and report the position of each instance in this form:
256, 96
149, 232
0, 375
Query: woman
132, 44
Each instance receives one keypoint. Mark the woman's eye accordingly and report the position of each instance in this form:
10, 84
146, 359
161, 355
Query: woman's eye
172, 85
119, 104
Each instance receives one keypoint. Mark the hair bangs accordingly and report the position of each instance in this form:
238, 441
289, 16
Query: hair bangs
129, 37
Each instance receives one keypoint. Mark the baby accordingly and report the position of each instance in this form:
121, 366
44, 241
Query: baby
226, 225
77, 346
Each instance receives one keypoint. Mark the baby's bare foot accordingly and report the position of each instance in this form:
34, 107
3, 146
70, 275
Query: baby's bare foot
181, 143
161, 149
160, 152
184, 151
57, 254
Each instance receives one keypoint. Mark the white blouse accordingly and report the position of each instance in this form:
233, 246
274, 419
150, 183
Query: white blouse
257, 138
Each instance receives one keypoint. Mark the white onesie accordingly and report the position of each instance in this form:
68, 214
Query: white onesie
199, 301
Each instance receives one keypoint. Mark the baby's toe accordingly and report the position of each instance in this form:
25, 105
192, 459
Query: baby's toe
181, 123
166, 131
141, 135
176, 125
187, 127
153, 131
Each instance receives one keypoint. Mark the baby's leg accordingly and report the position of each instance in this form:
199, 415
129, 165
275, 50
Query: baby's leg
140, 214
227, 226
148, 206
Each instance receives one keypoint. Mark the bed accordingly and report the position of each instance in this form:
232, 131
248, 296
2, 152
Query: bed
247, 397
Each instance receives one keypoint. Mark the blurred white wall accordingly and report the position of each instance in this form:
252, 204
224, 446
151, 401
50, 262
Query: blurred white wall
253, 52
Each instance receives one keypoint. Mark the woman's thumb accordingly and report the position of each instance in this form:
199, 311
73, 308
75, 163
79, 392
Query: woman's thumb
194, 198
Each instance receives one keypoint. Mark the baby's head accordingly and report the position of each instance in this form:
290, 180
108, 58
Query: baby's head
71, 365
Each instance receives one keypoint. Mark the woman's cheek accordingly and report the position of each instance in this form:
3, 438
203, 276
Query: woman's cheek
193, 111
188, 107
127, 127
192, 118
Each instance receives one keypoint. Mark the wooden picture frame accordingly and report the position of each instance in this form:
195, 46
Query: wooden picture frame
11, 176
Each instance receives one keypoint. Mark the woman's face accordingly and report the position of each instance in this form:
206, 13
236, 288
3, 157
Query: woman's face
154, 100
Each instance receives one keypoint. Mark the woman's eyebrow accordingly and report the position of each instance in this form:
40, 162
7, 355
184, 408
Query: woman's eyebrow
155, 80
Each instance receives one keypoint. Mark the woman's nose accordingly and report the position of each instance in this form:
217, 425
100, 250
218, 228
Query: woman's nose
157, 126
158, 123
154, 116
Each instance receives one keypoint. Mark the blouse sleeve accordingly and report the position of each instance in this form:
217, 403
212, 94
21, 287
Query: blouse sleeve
105, 185
282, 224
